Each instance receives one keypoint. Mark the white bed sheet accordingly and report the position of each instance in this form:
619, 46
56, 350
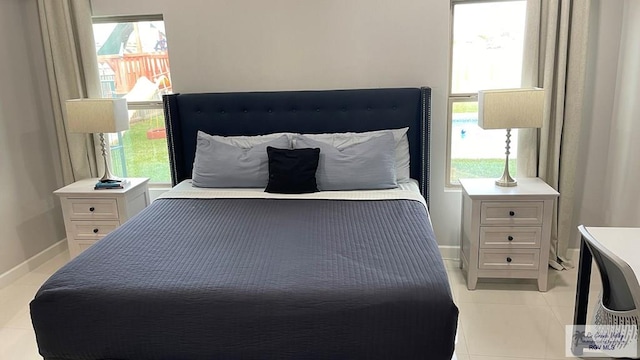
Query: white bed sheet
405, 191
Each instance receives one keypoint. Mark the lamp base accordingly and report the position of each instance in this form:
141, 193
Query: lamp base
506, 180
506, 183
108, 177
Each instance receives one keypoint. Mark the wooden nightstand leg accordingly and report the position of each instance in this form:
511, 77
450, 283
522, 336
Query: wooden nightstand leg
472, 281
542, 282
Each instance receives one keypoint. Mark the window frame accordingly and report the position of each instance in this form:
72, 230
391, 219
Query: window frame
137, 105
126, 18
457, 97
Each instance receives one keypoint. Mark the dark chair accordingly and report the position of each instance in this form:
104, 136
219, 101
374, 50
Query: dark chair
619, 300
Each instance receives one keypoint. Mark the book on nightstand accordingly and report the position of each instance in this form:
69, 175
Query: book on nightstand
108, 185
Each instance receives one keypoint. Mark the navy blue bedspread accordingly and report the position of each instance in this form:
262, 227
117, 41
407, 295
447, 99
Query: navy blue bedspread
254, 279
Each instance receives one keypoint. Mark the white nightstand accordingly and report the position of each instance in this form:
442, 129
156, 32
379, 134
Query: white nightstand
506, 230
91, 214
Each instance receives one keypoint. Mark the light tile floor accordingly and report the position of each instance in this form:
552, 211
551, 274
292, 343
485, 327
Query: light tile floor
511, 319
17, 340
500, 320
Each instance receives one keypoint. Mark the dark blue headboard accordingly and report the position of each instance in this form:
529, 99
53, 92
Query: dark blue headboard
258, 113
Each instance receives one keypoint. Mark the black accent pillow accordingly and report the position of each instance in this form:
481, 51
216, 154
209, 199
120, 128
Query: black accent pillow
292, 171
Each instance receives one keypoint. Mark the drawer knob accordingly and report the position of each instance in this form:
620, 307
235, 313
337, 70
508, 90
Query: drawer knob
509, 259
510, 238
92, 209
95, 231
512, 213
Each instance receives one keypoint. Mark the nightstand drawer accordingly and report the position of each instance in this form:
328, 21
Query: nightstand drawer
509, 259
505, 231
92, 229
510, 237
84, 209
91, 214
511, 212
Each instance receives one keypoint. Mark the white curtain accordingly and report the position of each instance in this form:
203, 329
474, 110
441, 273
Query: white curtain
555, 59
73, 73
621, 195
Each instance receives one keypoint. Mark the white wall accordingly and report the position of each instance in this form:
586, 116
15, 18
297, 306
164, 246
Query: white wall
30, 216
292, 44
242, 45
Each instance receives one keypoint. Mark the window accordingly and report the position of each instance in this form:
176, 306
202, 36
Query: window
486, 53
133, 62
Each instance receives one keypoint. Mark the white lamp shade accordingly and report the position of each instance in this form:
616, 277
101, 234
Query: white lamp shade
510, 108
97, 115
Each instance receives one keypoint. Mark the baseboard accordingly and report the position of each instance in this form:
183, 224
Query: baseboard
450, 252
26, 266
453, 253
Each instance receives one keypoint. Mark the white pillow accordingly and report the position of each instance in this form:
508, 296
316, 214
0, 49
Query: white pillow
343, 140
366, 165
227, 163
247, 142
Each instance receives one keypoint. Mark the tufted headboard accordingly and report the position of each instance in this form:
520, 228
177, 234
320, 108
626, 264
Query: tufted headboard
325, 111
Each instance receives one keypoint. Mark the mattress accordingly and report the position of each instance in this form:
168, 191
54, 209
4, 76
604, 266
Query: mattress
240, 277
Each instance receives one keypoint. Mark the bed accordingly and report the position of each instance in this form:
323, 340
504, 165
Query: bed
244, 274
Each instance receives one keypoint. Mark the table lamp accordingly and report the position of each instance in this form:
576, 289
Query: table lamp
508, 109
98, 116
